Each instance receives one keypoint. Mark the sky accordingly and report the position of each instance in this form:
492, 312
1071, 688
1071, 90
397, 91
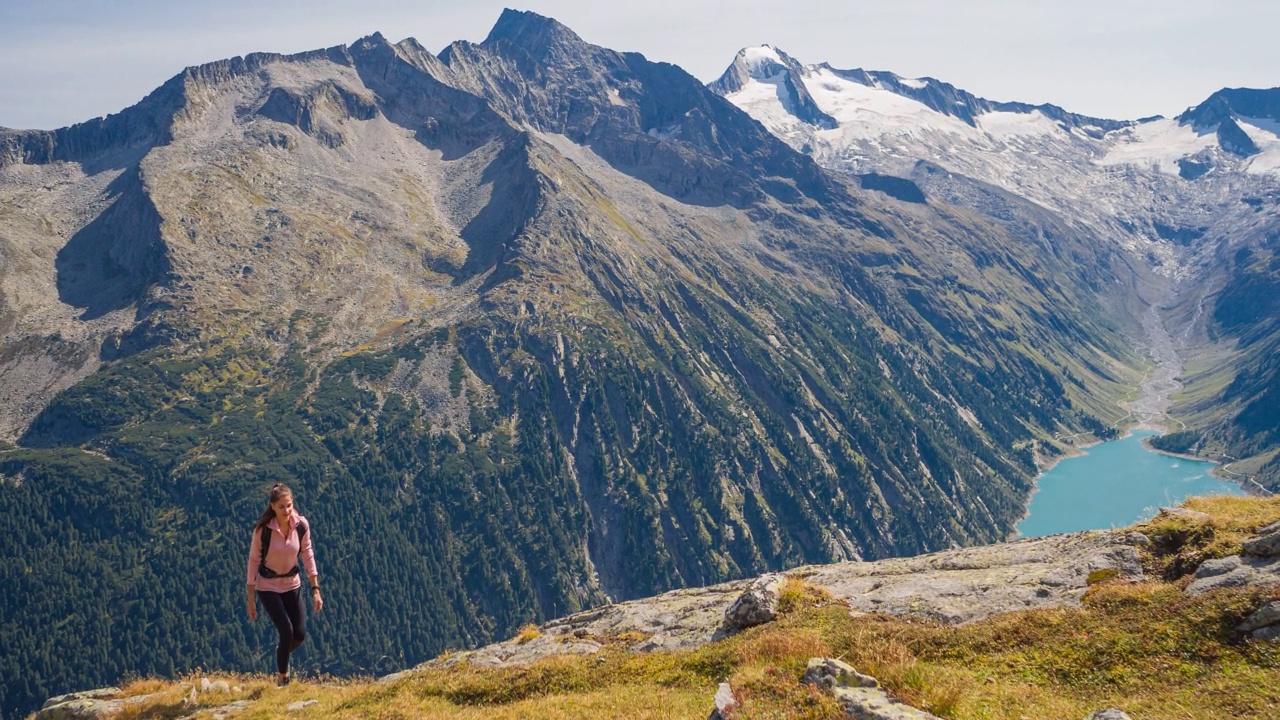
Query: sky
65, 61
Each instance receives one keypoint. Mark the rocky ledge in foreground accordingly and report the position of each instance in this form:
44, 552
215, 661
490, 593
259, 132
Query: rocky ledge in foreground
951, 586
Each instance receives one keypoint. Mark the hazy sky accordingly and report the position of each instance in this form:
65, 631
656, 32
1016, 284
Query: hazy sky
64, 61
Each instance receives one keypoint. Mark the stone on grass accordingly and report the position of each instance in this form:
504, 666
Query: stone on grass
828, 673
88, 705
1108, 714
1263, 545
1218, 566
1268, 614
1184, 514
757, 605
860, 695
724, 702
300, 705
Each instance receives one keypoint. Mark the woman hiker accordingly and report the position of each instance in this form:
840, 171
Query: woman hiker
279, 535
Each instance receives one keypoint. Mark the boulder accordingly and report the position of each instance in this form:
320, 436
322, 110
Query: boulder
1268, 633
87, 705
828, 673
860, 695
105, 693
757, 605
300, 705
1267, 545
1108, 714
207, 685
1218, 566
1268, 614
1178, 513
724, 702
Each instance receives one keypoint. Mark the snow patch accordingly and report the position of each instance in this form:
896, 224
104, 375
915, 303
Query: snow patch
1159, 144
872, 111
1265, 133
914, 83
1012, 124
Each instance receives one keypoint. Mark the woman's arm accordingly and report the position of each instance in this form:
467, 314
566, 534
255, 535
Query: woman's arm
309, 562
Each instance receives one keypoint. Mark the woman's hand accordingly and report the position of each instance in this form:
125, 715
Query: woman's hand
317, 602
253, 610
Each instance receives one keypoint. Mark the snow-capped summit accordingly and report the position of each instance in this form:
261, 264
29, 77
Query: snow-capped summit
764, 69
1129, 180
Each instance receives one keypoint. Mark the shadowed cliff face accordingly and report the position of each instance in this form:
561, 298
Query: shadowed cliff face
109, 263
528, 326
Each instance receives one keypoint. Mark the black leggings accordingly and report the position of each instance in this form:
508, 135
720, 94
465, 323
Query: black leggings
285, 610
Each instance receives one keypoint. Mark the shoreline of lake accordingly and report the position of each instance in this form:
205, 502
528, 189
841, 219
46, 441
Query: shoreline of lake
1088, 496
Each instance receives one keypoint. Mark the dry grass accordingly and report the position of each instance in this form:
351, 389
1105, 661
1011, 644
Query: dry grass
1144, 647
1180, 545
527, 632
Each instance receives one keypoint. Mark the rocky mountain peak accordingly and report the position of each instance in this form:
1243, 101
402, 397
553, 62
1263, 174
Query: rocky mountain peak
1220, 112
540, 36
1258, 104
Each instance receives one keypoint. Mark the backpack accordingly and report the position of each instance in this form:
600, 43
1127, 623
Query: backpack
263, 570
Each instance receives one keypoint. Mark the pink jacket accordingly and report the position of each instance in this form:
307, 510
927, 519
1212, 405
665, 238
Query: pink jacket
282, 555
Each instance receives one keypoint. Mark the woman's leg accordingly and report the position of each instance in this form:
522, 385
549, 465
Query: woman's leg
277, 607
293, 606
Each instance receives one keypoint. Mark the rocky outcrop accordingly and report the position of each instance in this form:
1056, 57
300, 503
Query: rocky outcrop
1264, 623
859, 694
757, 605
951, 586
1259, 564
88, 705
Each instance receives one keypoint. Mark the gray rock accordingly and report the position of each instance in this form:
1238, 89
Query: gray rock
757, 605
1219, 566
1273, 527
87, 705
829, 673
222, 712
82, 709
1269, 633
1184, 514
99, 694
1138, 539
207, 685
1263, 545
1235, 571
859, 694
1268, 614
951, 586
1108, 714
1239, 577
724, 701
300, 705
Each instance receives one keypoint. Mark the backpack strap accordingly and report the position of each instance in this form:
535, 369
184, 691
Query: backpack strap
262, 559
263, 570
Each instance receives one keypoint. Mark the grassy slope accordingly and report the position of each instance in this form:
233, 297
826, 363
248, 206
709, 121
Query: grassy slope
1147, 648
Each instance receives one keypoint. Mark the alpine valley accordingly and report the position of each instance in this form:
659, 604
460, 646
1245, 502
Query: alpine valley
531, 325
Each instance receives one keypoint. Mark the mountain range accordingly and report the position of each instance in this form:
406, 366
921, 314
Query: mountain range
531, 325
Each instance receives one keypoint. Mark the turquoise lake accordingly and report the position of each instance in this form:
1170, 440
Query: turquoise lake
1115, 484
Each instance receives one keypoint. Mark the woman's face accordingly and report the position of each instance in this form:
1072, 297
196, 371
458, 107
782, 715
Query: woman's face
283, 506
